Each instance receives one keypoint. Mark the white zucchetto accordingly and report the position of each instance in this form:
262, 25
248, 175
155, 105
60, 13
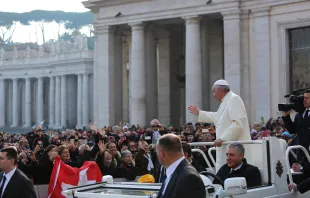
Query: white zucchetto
221, 82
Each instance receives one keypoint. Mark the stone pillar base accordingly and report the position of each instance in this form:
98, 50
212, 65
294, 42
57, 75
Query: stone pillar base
26, 125
79, 126
13, 125
58, 127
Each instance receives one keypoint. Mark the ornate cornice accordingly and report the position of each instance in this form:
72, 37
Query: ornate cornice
229, 15
101, 29
105, 3
137, 26
192, 19
260, 12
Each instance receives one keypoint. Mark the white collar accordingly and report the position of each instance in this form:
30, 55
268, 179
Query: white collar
226, 96
173, 166
237, 167
9, 175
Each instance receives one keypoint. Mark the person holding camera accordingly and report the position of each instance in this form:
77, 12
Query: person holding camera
144, 160
301, 123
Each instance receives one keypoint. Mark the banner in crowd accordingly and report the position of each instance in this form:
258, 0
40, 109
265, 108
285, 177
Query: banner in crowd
64, 177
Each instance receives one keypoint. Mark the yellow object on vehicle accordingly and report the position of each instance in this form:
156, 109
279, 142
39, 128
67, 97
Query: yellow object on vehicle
146, 179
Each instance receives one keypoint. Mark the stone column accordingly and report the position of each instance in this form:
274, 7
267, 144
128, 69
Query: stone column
27, 102
79, 101
246, 79
118, 76
104, 69
205, 70
63, 103
137, 79
57, 102
15, 103
193, 76
2, 102
52, 102
126, 62
164, 77
262, 63
85, 100
40, 100
151, 75
232, 47
216, 49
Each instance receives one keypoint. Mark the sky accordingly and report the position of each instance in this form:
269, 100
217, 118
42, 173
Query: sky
29, 5
32, 33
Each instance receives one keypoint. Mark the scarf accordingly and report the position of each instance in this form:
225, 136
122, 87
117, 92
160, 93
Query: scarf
150, 165
156, 136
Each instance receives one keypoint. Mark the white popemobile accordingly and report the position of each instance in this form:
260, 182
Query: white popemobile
270, 155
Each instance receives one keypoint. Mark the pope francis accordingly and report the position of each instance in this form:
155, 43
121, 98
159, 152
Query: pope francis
230, 120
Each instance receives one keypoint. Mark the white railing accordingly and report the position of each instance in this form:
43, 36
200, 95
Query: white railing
225, 143
203, 155
213, 148
288, 150
210, 154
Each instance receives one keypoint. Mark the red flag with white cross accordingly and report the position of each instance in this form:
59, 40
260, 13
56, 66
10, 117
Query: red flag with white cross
64, 177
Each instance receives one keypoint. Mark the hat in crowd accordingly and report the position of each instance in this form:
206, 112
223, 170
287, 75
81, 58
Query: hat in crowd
155, 122
133, 128
148, 178
286, 134
221, 82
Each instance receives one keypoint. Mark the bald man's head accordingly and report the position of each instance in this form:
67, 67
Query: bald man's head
169, 149
170, 143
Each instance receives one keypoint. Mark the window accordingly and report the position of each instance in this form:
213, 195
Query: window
299, 52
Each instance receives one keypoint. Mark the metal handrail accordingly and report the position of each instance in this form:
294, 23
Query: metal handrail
210, 154
203, 155
212, 144
288, 161
225, 143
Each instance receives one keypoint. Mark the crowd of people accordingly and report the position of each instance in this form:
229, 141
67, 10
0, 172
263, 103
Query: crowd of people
121, 151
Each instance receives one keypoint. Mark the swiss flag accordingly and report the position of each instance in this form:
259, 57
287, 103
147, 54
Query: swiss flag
64, 177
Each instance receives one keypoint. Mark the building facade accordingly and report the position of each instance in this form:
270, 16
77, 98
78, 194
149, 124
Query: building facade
48, 83
153, 58
175, 50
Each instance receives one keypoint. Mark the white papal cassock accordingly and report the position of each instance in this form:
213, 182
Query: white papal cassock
231, 123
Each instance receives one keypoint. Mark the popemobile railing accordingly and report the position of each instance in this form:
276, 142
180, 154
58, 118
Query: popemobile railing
213, 148
288, 151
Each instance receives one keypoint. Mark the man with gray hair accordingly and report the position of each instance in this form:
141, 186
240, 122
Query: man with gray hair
230, 120
237, 166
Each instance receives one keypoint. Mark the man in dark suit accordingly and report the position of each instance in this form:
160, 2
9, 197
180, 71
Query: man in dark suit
188, 156
181, 179
301, 124
237, 166
13, 182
